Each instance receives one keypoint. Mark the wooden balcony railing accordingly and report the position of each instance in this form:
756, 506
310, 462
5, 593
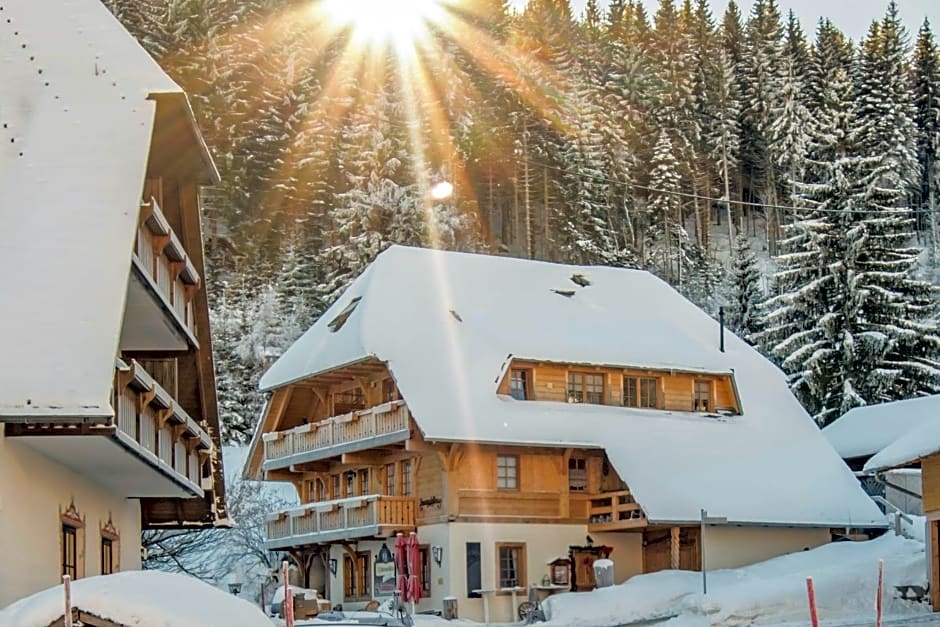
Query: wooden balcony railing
317, 440
162, 259
612, 511
355, 517
150, 421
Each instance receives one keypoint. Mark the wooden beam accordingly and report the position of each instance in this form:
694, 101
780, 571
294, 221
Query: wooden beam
279, 406
674, 548
144, 398
311, 467
369, 458
162, 416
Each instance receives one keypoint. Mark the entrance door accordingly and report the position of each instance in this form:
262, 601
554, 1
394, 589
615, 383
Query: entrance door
657, 550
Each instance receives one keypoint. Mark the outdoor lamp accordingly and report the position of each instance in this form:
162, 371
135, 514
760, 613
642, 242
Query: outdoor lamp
332, 564
437, 552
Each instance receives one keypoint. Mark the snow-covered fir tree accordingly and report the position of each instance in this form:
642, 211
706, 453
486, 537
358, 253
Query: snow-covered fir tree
745, 291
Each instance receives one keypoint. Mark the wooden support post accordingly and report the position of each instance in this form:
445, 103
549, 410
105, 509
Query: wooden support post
879, 594
674, 548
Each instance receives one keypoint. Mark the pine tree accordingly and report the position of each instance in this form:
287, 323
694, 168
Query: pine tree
926, 86
886, 115
745, 291
667, 243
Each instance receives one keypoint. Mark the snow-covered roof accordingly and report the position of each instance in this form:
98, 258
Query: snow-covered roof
448, 323
138, 598
865, 431
77, 112
919, 440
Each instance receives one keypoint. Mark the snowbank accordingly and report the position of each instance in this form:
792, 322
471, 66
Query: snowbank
845, 576
145, 598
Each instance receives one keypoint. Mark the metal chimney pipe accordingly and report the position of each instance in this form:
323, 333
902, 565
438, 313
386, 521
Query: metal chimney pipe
721, 324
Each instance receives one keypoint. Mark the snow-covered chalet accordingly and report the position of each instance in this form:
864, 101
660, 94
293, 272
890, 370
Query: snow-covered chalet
108, 417
903, 441
526, 418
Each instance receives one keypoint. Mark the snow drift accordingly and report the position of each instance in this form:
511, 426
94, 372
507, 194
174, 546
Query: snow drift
145, 598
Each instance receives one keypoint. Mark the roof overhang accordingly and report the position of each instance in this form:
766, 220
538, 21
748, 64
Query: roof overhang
177, 145
31, 414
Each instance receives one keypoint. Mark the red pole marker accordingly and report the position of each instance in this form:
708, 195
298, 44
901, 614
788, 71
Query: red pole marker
879, 594
813, 616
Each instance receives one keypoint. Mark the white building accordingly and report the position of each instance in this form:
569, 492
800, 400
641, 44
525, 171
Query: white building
512, 411
108, 418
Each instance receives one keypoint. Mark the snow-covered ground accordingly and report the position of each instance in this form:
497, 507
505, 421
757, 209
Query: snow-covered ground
845, 576
144, 598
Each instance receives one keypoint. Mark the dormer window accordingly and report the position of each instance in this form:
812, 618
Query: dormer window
519, 384
702, 400
640, 392
584, 387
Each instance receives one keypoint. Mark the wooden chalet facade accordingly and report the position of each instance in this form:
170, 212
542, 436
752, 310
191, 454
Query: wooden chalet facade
506, 479
912, 446
108, 414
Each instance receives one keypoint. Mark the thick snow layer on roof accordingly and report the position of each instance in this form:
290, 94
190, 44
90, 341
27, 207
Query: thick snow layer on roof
75, 128
919, 441
145, 598
770, 465
864, 431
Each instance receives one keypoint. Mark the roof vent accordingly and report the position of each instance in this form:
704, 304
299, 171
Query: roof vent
580, 279
337, 323
456, 316
565, 293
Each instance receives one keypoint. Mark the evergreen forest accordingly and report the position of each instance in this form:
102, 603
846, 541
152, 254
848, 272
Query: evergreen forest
780, 171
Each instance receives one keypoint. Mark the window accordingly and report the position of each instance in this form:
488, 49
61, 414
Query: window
507, 472
511, 565
69, 550
337, 323
425, 571
585, 388
350, 484
703, 396
389, 393
390, 480
474, 570
335, 493
320, 490
110, 548
640, 392
363, 481
107, 556
519, 384
577, 475
356, 576
649, 389
72, 542
630, 398
350, 400
406, 481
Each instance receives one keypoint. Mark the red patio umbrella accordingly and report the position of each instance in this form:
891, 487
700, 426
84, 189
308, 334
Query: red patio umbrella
401, 579
413, 553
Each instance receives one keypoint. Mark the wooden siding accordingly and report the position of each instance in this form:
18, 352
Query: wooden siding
930, 481
549, 382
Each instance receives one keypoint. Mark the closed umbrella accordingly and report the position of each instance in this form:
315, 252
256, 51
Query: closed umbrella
413, 553
401, 579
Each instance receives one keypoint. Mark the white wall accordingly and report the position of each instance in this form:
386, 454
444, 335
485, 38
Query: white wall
730, 547
33, 492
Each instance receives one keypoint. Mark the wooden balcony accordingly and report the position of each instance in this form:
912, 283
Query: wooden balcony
615, 511
152, 424
359, 430
162, 263
151, 448
371, 516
